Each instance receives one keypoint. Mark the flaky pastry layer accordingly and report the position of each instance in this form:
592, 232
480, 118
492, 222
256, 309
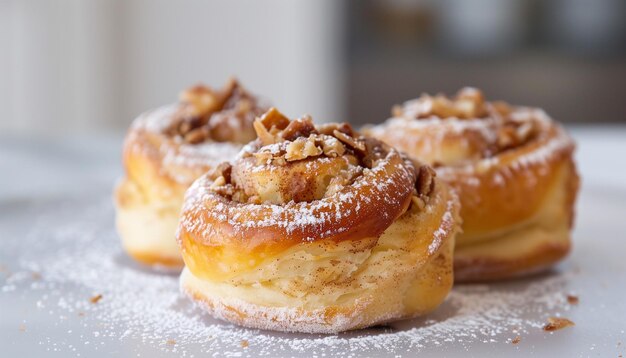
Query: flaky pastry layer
327, 287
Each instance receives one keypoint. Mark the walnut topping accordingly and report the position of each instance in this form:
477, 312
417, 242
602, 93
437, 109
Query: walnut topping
468, 103
514, 134
343, 178
556, 323
302, 148
220, 115
329, 128
225, 169
572, 300
197, 135
201, 100
274, 119
418, 203
222, 187
302, 138
301, 127
425, 182
332, 147
349, 140
503, 108
264, 135
291, 154
220, 181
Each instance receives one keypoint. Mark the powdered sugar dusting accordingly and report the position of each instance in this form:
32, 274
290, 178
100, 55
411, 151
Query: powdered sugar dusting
145, 309
322, 218
181, 161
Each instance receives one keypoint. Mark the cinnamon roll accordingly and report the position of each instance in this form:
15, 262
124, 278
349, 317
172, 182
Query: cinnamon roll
164, 152
513, 170
317, 229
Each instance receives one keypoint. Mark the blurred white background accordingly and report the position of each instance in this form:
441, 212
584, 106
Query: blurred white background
94, 65
78, 65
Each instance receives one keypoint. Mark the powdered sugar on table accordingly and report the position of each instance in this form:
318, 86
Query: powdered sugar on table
145, 309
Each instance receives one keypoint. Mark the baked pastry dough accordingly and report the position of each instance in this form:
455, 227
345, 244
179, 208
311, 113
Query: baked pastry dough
317, 229
164, 152
513, 170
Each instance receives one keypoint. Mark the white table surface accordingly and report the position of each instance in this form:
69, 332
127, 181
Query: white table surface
31, 169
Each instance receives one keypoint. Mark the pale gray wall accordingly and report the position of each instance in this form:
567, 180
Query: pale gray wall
75, 65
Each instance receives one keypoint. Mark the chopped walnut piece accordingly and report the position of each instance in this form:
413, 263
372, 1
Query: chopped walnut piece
95, 299
224, 190
572, 300
185, 125
266, 137
503, 108
418, 203
343, 178
524, 131
425, 182
301, 127
329, 128
468, 103
332, 147
239, 196
370, 154
224, 169
201, 99
262, 157
556, 323
506, 137
349, 140
220, 181
274, 119
516, 340
514, 134
197, 135
302, 148
279, 161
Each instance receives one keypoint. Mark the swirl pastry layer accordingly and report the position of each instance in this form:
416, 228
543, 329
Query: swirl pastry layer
317, 229
164, 152
513, 170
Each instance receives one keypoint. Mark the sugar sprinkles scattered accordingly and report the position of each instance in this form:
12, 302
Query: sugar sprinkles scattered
143, 307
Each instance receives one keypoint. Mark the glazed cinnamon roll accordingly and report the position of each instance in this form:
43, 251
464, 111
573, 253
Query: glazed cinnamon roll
513, 170
317, 229
164, 152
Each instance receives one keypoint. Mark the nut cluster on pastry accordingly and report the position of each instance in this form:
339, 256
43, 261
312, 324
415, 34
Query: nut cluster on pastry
317, 229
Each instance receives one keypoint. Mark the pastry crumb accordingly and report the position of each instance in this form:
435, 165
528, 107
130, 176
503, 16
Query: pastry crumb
572, 299
244, 344
95, 299
170, 342
556, 323
516, 340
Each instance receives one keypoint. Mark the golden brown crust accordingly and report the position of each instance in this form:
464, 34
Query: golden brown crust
505, 162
